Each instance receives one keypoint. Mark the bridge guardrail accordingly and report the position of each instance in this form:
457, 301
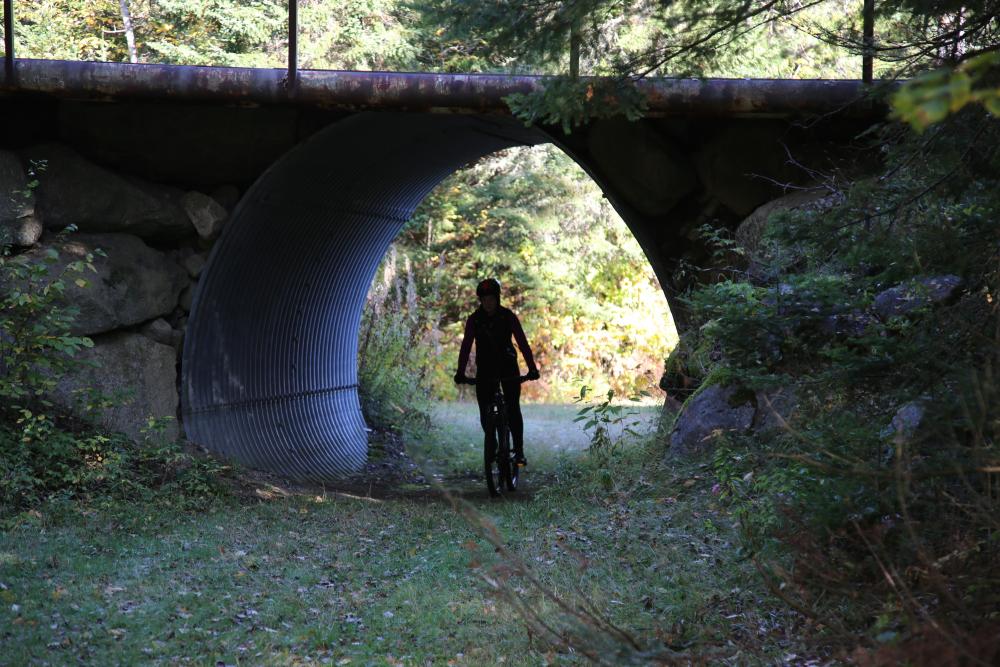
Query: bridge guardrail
291, 80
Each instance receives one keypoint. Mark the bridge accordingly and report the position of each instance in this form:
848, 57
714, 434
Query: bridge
334, 163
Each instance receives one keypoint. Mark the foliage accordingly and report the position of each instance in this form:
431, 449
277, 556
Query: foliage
571, 102
932, 96
360, 34
36, 339
569, 267
608, 423
838, 492
761, 38
42, 459
389, 361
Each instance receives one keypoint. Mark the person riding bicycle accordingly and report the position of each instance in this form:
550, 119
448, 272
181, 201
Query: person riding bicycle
491, 327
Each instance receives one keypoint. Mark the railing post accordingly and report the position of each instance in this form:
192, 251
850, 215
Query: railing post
868, 43
8, 41
293, 44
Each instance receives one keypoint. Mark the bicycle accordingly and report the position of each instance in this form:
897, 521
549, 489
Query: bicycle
501, 468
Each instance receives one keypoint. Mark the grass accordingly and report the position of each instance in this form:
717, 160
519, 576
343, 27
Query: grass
334, 578
550, 434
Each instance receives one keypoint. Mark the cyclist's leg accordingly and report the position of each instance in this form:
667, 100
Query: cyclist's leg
512, 394
485, 389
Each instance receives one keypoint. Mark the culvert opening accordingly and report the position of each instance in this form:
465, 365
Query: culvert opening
270, 364
591, 307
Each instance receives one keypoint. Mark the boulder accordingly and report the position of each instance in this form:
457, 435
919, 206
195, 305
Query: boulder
714, 411
74, 191
133, 282
751, 230
131, 363
775, 409
902, 299
16, 198
158, 330
739, 166
22, 233
194, 265
905, 423
186, 298
851, 325
206, 214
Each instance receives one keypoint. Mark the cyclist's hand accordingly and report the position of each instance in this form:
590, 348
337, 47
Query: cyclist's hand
460, 378
533, 374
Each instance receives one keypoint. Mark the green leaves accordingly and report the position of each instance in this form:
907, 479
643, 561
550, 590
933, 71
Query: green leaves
930, 98
36, 343
571, 102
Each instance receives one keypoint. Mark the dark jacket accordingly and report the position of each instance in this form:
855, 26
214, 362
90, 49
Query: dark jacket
495, 355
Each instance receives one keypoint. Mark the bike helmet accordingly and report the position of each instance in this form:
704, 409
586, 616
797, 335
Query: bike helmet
488, 286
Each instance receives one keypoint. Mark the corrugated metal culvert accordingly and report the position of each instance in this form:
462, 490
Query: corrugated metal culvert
270, 357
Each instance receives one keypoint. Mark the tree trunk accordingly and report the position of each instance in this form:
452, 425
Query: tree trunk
574, 51
868, 54
133, 55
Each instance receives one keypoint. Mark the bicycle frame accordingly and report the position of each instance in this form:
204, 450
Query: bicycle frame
500, 467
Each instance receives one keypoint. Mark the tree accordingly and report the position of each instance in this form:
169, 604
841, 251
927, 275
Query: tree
586, 293
632, 39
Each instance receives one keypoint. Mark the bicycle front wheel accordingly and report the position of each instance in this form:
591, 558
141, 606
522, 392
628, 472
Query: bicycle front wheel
505, 458
494, 476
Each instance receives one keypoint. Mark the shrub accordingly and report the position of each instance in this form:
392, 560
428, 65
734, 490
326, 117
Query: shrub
390, 359
874, 532
44, 452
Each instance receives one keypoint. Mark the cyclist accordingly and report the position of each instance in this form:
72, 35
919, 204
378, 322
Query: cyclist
491, 327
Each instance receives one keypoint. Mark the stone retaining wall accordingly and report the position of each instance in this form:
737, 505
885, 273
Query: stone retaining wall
150, 243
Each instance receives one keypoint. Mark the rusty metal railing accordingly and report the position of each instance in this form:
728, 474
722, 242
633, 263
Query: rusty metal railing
388, 82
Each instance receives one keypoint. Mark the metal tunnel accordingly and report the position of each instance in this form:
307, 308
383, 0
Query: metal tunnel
269, 372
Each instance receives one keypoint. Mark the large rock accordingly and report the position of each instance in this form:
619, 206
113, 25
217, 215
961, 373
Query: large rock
920, 292
129, 364
206, 214
906, 423
74, 191
227, 196
16, 198
133, 283
751, 230
23, 232
775, 410
715, 411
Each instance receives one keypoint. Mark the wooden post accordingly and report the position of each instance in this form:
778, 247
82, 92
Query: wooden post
868, 52
293, 44
8, 40
574, 51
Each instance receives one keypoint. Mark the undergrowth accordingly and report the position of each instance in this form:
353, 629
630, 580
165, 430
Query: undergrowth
49, 455
873, 509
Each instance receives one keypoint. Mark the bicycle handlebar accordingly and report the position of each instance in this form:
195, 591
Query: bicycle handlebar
522, 379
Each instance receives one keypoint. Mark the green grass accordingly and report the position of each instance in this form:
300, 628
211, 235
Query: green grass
339, 579
550, 435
